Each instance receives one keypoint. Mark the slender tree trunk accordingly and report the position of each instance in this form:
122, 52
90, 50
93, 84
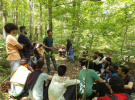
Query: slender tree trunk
24, 15
31, 31
50, 14
4, 18
17, 13
40, 20
36, 34
74, 17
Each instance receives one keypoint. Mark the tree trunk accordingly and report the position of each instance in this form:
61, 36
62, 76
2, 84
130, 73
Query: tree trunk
17, 13
50, 14
31, 31
74, 17
4, 18
36, 34
40, 20
24, 15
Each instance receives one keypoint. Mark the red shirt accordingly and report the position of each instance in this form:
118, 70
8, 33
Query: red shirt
121, 96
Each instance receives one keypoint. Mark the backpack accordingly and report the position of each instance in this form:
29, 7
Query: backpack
113, 97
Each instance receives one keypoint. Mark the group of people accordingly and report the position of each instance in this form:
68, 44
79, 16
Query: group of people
103, 76
28, 82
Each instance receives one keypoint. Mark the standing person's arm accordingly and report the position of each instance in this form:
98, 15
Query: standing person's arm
15, 43
24, 40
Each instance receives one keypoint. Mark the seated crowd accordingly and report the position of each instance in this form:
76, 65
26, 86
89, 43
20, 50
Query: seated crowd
97, 77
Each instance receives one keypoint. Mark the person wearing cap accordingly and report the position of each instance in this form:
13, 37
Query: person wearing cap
129, 83
19, 78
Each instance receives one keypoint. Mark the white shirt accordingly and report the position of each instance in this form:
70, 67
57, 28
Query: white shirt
37, 91
102, 61
58, 87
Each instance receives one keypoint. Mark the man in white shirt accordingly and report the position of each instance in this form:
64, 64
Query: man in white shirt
61, 87
100, 62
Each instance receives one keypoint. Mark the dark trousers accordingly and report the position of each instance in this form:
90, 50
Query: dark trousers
70, 93
52, 56
128, 91
100, 88
97, 67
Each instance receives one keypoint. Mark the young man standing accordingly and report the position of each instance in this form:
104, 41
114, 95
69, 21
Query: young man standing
48, 44
12, 47
129, 83
24, 40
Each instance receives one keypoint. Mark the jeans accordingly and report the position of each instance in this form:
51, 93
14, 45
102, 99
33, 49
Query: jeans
48, 56
14, 65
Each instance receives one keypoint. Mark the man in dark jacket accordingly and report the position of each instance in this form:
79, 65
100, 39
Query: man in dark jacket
24, 40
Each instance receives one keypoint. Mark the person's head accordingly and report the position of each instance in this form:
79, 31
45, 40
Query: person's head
34, 45
108, 60
90, 66
11, 28
49, 32
62, 46
95, 54
111, 69
123, 69
40, 65
24, 62
62, 70
23, 30
40, 46
116, 84
100, 55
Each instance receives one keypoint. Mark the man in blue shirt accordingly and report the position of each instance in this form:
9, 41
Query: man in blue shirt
48, 44
24, 40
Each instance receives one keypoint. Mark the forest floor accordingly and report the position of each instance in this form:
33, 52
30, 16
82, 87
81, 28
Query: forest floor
73, 69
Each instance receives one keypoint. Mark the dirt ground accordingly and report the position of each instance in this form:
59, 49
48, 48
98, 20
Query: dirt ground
73, 67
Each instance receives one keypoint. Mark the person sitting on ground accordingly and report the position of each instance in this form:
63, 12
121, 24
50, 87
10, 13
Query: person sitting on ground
129, 83
62, 51
95, 55
100, 62
19, 78
40, 51
35, 82
61, 87
111, 70
83, 58
116, 86
109, 63
92, 76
